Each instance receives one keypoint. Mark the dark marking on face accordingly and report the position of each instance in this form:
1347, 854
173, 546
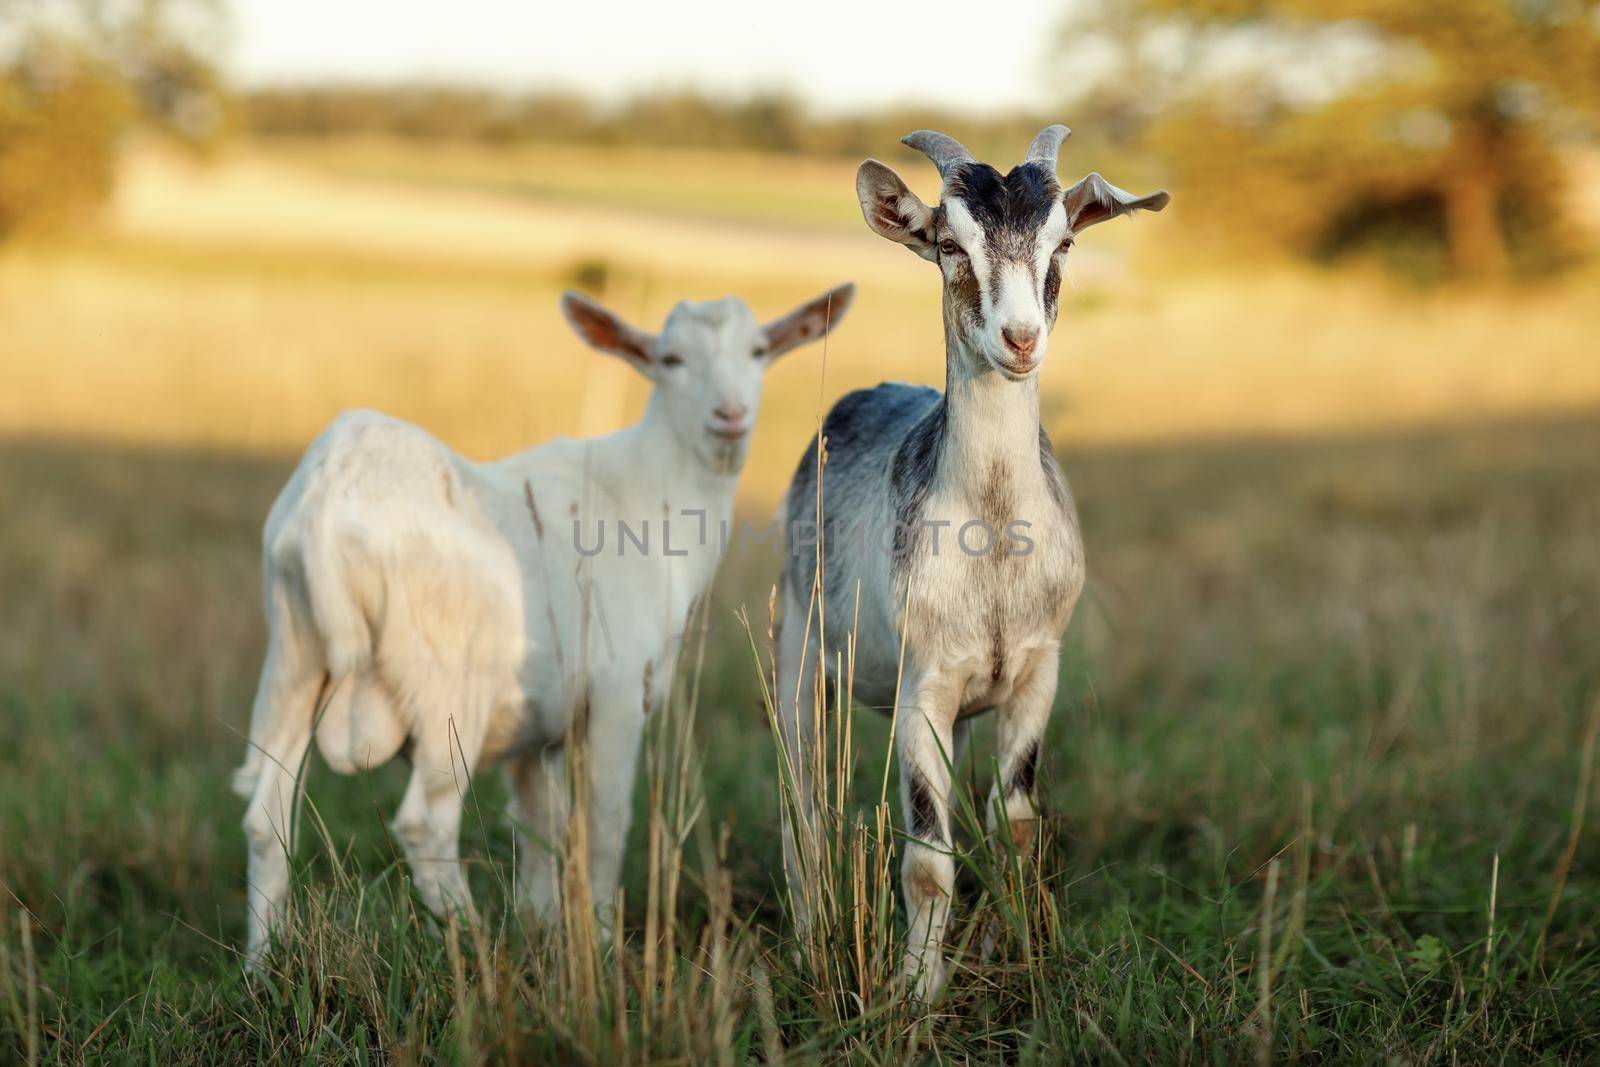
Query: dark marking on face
963, 300
1015, 203
1023, 774
997, 652
1009, 209
1052, 291
996, 257
925, 824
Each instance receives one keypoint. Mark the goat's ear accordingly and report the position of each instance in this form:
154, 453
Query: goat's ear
1095, 200
605, 331
893, 210
810, 320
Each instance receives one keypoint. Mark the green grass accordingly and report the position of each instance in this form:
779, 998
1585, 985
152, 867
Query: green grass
1323, 702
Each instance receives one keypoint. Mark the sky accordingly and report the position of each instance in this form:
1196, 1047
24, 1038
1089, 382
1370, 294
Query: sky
838, 55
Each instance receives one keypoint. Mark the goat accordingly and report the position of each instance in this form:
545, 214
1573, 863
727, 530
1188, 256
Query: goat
984, 612
416, 599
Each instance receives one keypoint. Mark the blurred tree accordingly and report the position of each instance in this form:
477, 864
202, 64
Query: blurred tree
1339, 120
763, 122
59, 113
75, 75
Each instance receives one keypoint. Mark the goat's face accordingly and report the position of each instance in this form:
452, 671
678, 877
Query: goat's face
708, 363
1001, 240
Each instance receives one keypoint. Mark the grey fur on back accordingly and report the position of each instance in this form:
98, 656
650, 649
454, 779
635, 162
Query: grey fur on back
894, 426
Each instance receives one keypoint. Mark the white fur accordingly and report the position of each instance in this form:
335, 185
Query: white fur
416, 596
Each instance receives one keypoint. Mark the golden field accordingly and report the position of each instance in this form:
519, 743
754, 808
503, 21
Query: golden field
241, 303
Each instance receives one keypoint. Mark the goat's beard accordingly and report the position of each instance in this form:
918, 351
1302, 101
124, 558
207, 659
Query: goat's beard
727, 457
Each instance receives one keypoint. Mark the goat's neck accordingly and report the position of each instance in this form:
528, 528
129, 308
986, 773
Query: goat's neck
650, 453
988, 420
644, 467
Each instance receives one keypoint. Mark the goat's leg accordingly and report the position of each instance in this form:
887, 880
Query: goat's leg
925, 743
428, 822
280, 732
616, 726
1019, 736
539, 784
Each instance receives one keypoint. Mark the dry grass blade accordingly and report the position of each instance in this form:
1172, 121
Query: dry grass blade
1580, 807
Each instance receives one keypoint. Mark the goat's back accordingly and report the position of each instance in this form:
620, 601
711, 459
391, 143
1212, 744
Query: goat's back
380, 540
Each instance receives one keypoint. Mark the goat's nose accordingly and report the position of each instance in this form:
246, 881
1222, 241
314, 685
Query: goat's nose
1021, 339
729, 412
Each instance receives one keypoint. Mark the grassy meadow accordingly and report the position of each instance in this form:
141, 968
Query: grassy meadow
1318, 784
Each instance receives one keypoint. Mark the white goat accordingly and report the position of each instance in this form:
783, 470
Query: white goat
948, 511
477, 612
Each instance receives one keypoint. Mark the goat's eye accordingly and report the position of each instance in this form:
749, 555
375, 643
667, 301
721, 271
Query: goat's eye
672, 359
758, 353
1066, 243
949, 247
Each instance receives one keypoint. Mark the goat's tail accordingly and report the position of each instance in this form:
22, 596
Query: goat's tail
345, 590
342, 590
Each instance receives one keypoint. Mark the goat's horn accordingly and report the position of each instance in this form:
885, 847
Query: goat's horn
945, 151
1047, 145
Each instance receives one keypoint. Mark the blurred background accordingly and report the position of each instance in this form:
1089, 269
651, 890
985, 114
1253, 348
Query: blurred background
1332, 420
221, 223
